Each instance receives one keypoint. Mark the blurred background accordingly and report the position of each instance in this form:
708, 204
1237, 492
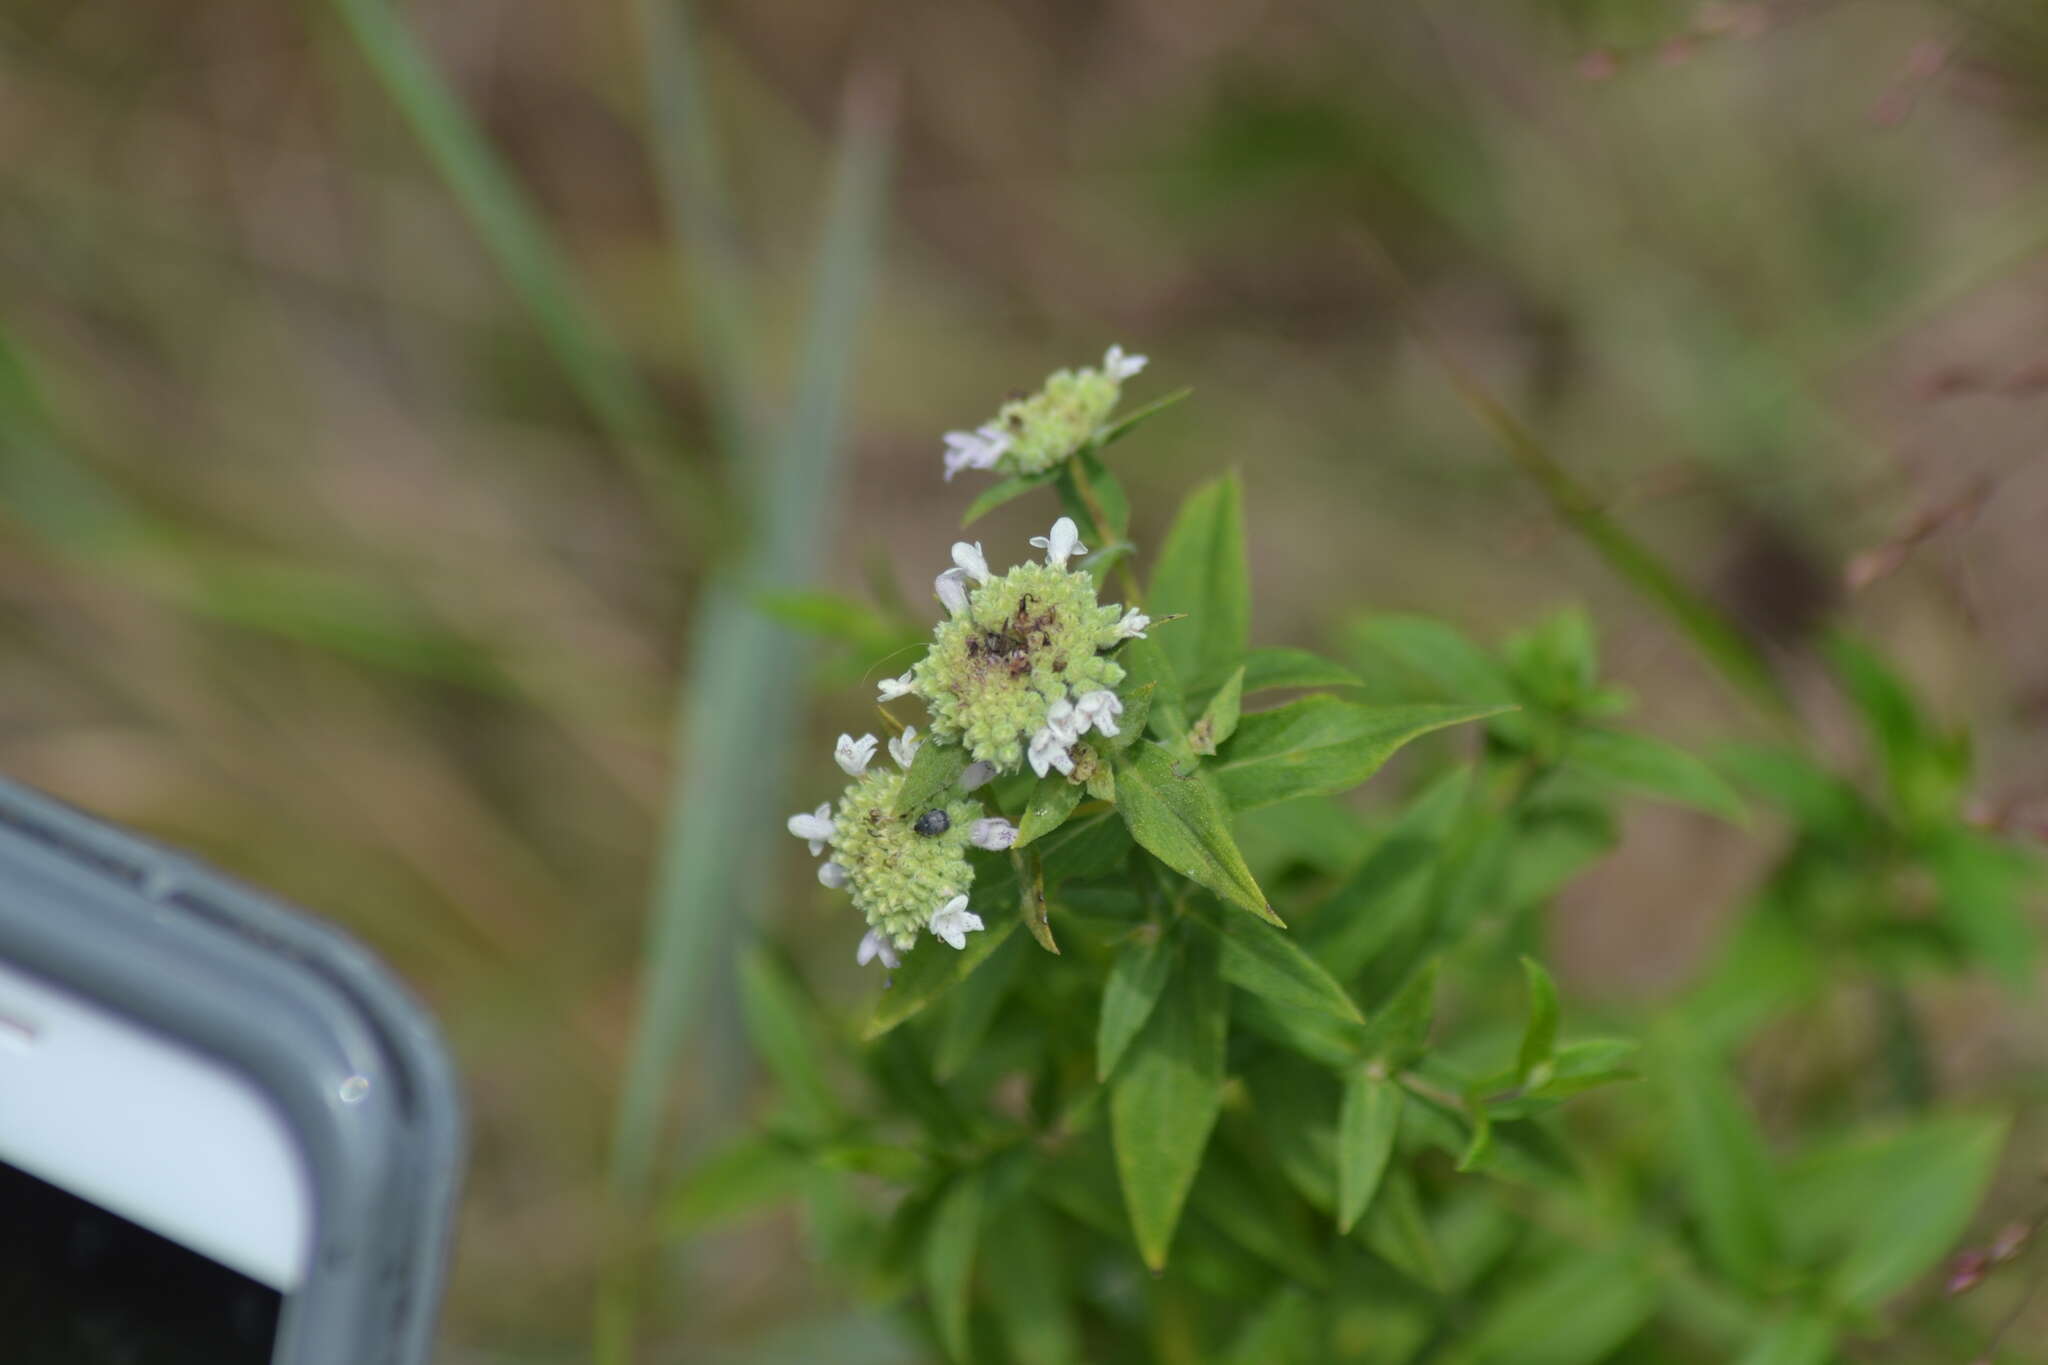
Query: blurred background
369, 436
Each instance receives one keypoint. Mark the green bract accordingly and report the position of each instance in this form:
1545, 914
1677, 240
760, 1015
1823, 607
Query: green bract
898, 877
1026, 641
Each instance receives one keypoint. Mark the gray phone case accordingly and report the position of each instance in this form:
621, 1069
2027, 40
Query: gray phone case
347, 1055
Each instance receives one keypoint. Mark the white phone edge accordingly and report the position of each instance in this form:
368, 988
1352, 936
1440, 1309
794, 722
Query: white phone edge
138, 1124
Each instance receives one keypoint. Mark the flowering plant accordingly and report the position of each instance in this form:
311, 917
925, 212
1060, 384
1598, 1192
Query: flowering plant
1117, 1106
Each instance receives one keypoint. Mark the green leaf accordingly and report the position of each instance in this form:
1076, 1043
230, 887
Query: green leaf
1727, 1176
1281, 1332
1984, 888
971, 1008
1639, 763
746, 1178
1322, 745
935, 769
932, 969
1052, 801
1269, 668
1174, 814
949, 1250
780, 1027
1539, 1038
1386, 900
1398, 1231
1123, 426
1220, 717
1136, 979
1396, 1035
1028, 1286
1368, 1120
1086, 486
1009, 490
1201, 571
1147, 669
1269, 962
1891, 1207
1801, 1339
1137, 714
1259, 1218
1166, 1096
1435, 660
1576, 1311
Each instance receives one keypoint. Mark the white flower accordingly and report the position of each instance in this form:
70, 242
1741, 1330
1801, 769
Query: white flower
1100, 709
1063, 718
832, 875
1132, 627
1049, 750
1119, 366
979, 449
889, 689
977, 773
952, 922
853, 754
968, 557
816, 827
993, 833
1062, 544
904, 747
951, 588
872, 946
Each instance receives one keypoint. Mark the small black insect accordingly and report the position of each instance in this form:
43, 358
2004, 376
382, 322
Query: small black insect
932, 823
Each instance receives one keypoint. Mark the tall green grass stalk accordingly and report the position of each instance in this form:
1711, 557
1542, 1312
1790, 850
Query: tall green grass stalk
596, 367
738, 704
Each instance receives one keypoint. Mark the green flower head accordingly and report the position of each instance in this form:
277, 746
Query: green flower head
1031, 435
904, 872
1021, 668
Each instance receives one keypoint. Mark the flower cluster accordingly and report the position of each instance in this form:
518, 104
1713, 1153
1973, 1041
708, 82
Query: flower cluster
1031, 435
904, 872
1021, 667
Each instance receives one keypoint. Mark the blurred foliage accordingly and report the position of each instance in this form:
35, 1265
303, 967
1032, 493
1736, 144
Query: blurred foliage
328, 552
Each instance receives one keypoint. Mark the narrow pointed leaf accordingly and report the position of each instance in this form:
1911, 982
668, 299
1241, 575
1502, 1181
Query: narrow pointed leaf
1271, 963
948, 1260
1201, 571
1174, 814
1266, 669
1320, 745
1539, 1038
1029, 1289
1009, 490
1166, 1097
780, 1027
1639, 763
1220, 716
1396, 1035
1137, 714
1367, 1123
935, 769
1052, 801
1136, 979
1123, 426
932, 969
1727, 1175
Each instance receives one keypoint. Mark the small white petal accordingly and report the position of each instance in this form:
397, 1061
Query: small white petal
904, 747
889, 689
978, 772
874, 945
1049, 750
853, 754
994, 833
977, 449
968, 558
815, 827
951, 589
1062, 544
1100, 709
952, 922
832, 875
1065, 720
1119, 366
1132, 627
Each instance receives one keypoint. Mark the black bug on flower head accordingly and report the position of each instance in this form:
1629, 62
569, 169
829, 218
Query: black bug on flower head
932, 823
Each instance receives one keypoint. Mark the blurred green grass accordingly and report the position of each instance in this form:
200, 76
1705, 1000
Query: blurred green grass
354, 519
